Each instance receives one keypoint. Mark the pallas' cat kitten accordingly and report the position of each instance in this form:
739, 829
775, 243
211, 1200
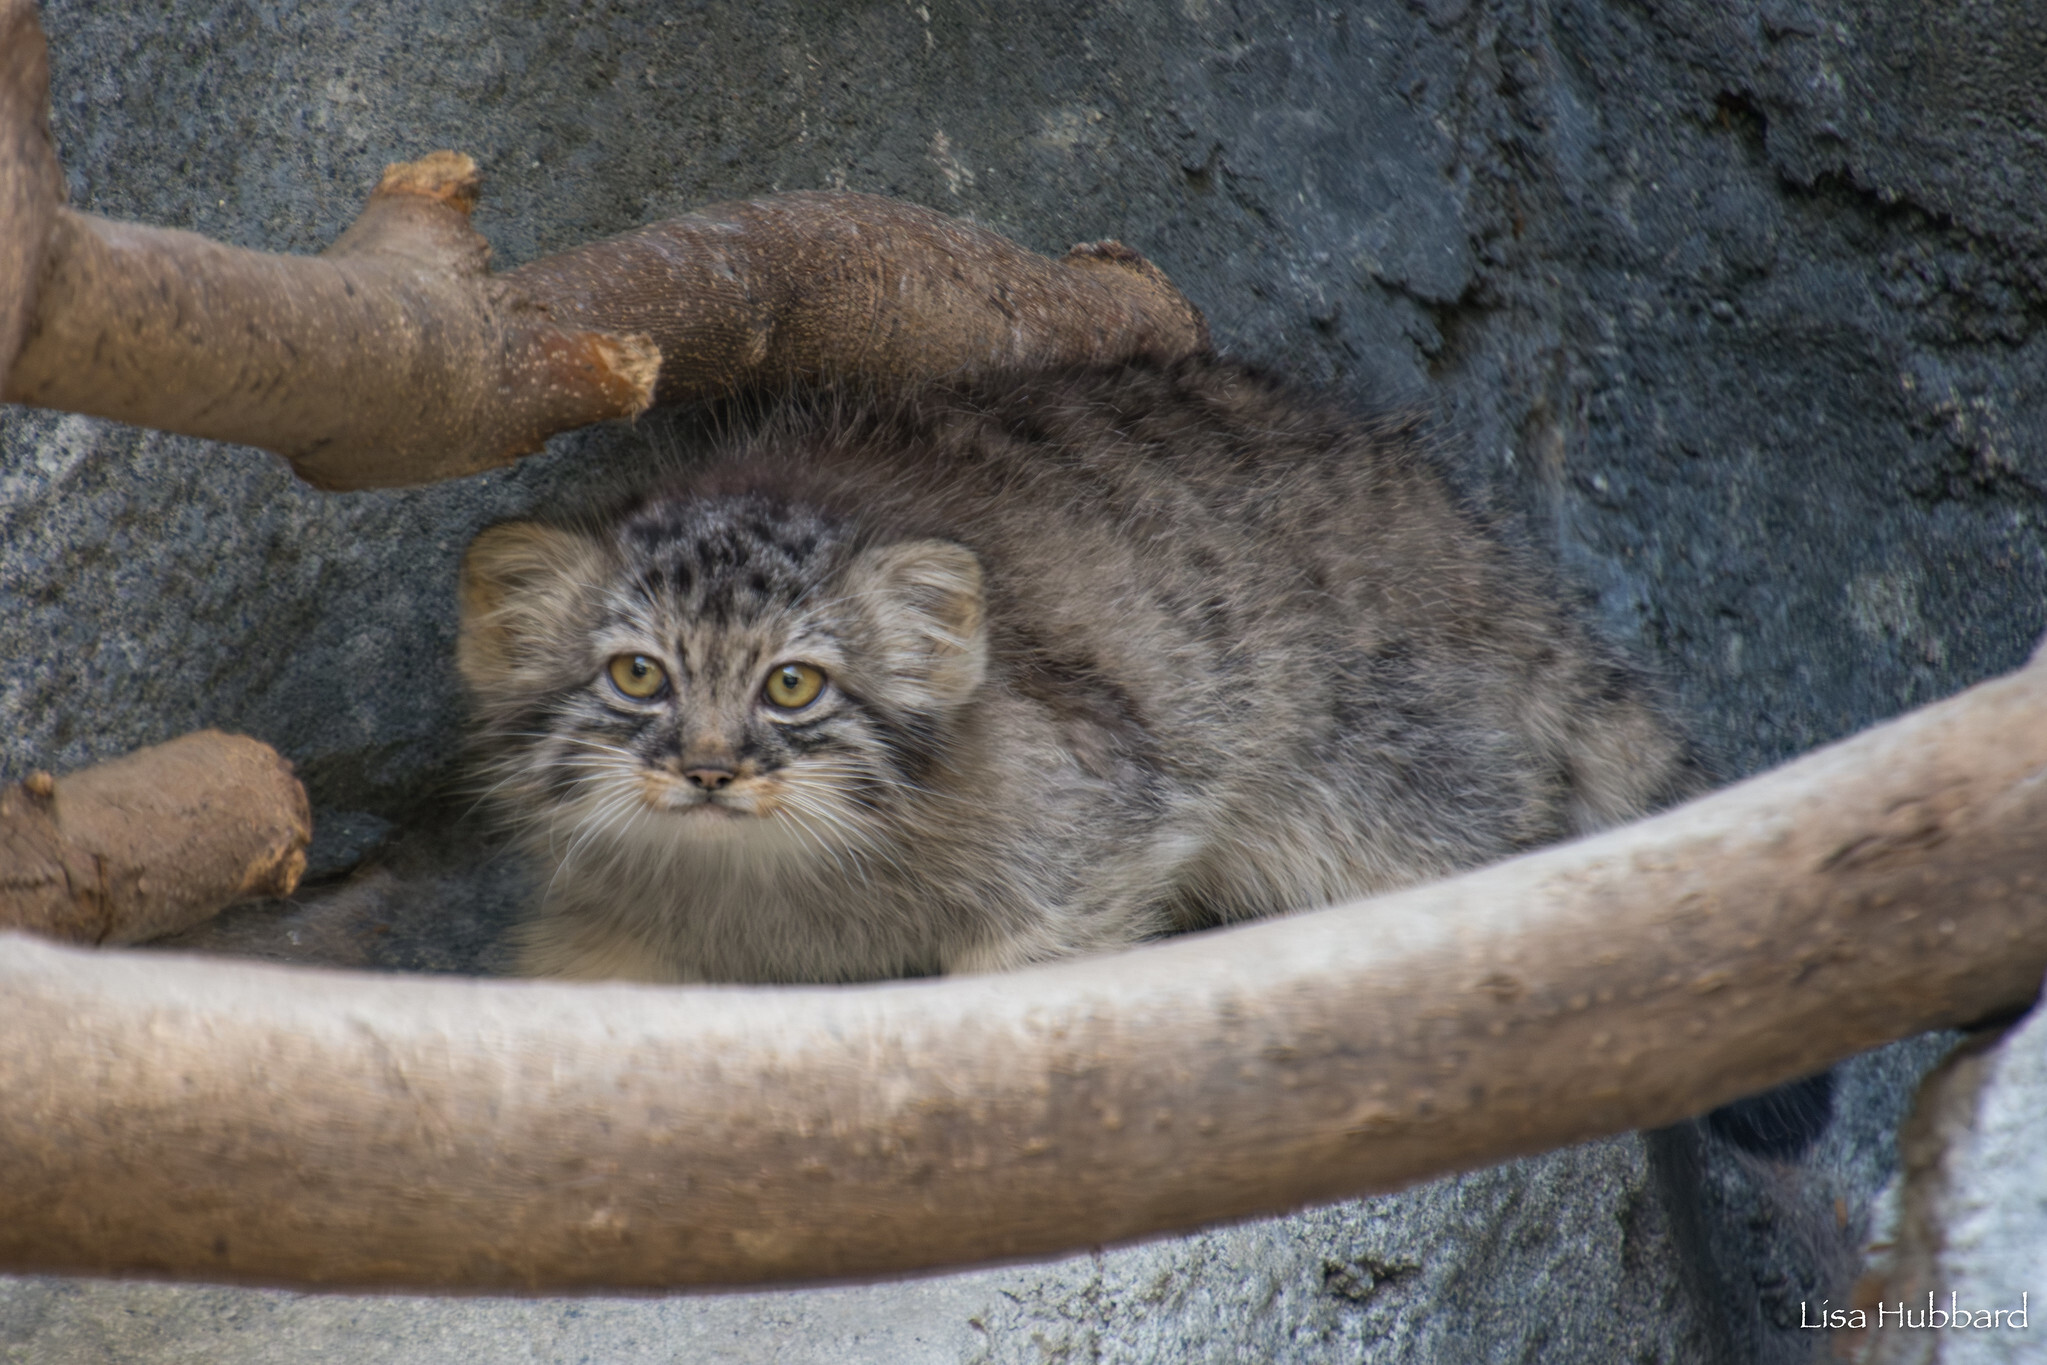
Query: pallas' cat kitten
973, 680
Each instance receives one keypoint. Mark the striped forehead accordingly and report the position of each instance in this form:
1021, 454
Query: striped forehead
726, 559
719, 578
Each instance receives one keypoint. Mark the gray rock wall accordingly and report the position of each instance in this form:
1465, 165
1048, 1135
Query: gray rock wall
1732, 303
1957, 1264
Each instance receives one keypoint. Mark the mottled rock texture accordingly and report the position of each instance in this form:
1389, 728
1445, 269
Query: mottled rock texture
1959, 1238
1732, 304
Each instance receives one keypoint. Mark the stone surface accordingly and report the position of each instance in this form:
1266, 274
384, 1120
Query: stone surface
1772, 1243
1733, 304
1963, 1229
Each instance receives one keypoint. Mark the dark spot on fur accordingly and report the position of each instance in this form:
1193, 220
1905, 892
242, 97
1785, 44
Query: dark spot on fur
1218, 622
808, 740
1615, 688
1100, 722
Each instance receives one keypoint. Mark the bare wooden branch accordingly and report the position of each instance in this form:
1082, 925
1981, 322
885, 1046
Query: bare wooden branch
391, 358
824, 287
31, 186
395, 357
152, 842
278, 1125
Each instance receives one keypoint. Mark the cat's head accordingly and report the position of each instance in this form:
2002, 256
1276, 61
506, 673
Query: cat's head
729, 672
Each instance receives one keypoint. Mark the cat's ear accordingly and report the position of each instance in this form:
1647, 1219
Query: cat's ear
924, 597
521, 581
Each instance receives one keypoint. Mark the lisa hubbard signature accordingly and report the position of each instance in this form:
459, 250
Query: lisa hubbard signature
1932, 1316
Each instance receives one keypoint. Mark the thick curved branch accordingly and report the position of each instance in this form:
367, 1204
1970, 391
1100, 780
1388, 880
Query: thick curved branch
152, 842
395, 357
291, 1126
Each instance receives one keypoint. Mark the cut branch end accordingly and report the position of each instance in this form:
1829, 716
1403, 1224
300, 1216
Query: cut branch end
152, 842
448, 177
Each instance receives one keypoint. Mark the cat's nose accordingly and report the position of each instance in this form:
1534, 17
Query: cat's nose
710, 779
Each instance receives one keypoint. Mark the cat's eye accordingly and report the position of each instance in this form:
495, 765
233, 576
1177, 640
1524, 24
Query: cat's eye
638, 676
793, 686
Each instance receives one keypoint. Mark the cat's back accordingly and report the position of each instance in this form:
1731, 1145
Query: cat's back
1215, 499
1282, 606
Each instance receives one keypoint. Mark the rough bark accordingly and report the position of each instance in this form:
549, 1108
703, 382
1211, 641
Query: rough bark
31, 187
395, 357
152, 842
290, 1126
820, 286
391, 358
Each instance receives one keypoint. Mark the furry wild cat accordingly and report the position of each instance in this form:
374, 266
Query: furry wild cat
974, 679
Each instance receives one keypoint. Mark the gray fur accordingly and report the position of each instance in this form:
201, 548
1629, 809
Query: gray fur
1110, 655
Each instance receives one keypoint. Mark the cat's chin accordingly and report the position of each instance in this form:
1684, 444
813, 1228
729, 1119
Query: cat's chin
712, 820
722, 830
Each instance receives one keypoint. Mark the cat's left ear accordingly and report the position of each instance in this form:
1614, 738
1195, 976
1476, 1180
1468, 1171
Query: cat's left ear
924, 598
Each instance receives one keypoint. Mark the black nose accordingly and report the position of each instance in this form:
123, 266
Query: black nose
710, 779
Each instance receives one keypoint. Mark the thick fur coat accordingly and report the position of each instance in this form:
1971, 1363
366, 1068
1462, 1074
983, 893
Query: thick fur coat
1103, 655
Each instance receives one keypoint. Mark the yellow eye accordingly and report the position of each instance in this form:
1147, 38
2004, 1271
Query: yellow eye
638, 676
793, 686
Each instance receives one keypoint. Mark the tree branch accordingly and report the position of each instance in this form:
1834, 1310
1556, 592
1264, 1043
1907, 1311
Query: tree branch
392, 358
276, 1125
395, 357
812, 287
152, 842
31, 186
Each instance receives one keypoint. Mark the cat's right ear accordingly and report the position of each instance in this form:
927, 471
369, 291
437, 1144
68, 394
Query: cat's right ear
521, 580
